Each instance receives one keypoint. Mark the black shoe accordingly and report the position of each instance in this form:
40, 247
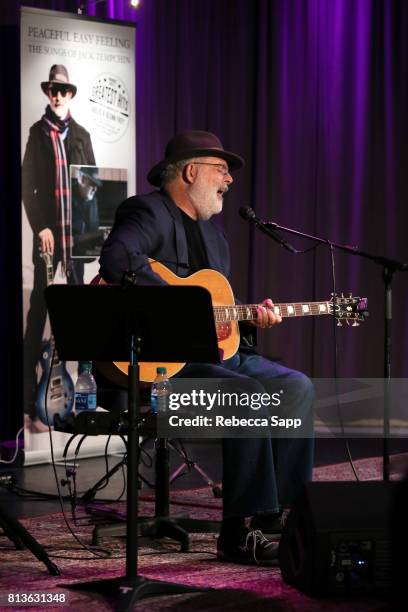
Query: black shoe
251, 548
270, 524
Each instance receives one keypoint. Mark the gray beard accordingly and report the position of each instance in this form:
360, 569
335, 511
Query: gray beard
206, 209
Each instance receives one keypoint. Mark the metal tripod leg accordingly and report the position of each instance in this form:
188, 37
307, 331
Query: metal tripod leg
89, 495
19, 535
192, 465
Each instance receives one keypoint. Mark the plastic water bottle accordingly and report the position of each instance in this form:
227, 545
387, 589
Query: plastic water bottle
85, 389
161, 389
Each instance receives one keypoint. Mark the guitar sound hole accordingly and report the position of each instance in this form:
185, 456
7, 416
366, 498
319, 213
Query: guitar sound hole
223, 331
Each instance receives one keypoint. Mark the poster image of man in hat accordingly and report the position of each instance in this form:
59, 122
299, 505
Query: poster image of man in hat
55, 142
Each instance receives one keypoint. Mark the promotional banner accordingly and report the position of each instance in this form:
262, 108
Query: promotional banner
78, 144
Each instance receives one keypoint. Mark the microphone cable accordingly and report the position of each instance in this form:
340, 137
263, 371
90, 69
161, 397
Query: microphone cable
248, 214
336, 362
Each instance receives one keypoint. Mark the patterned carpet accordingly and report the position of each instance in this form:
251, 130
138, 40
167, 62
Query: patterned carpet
237, 587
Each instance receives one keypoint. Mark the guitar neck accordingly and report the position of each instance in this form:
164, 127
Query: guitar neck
50, 275
48, 262
248, 312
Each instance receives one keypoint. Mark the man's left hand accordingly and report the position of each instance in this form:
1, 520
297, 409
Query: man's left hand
266, 316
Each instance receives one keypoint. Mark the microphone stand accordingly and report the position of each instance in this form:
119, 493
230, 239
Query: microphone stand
389, 267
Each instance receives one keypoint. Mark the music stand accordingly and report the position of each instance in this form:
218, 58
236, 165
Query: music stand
135, 323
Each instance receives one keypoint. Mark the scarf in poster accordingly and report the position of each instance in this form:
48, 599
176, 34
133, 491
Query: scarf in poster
57, 130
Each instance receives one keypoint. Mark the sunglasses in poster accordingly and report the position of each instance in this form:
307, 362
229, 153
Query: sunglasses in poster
54, 89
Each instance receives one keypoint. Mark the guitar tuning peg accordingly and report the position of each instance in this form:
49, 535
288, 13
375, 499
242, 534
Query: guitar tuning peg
342, 294
339, 323
356, 324
350, 294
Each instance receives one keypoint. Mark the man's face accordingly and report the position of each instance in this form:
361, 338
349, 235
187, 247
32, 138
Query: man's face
211, 183
86, 187
60, 98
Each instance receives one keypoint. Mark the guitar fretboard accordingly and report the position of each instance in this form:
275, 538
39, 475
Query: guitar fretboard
248, 312
50, 275
48, 261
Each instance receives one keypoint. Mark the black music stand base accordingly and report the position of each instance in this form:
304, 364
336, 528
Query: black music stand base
177, 528
127, 591
162, 525
156, 527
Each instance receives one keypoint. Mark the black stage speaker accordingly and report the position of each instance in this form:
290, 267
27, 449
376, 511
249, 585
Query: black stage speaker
337, 539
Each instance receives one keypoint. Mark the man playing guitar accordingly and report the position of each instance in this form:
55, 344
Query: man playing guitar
261, 476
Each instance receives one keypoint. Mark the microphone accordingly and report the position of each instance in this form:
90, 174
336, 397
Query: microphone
247, 213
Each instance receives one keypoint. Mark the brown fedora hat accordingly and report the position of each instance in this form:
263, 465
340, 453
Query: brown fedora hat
193, 143
58, 76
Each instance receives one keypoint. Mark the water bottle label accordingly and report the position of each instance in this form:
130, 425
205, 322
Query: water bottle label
154, 403
85, 401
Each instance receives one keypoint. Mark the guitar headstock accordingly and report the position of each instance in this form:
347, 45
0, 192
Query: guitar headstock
350, 309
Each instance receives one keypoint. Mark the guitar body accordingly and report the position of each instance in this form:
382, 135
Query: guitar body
227, 333
61, 395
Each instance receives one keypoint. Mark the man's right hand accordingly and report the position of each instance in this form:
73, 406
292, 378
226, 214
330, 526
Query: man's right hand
46, 238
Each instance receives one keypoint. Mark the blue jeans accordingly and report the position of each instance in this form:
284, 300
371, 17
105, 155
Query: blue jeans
262, 475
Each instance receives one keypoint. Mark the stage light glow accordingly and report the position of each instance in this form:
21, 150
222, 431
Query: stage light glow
81, 8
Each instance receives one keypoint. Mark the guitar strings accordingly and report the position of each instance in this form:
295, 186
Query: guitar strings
250, 311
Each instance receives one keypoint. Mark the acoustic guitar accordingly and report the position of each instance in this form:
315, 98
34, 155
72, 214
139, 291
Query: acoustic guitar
350, 309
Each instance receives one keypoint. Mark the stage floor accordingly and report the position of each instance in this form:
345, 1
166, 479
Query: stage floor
41, 479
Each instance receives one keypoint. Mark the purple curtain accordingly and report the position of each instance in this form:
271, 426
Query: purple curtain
313, 93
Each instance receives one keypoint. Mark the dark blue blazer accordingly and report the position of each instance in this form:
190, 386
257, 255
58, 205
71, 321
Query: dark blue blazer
151, 226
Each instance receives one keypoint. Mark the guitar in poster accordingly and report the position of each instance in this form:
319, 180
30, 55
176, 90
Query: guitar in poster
55, 391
